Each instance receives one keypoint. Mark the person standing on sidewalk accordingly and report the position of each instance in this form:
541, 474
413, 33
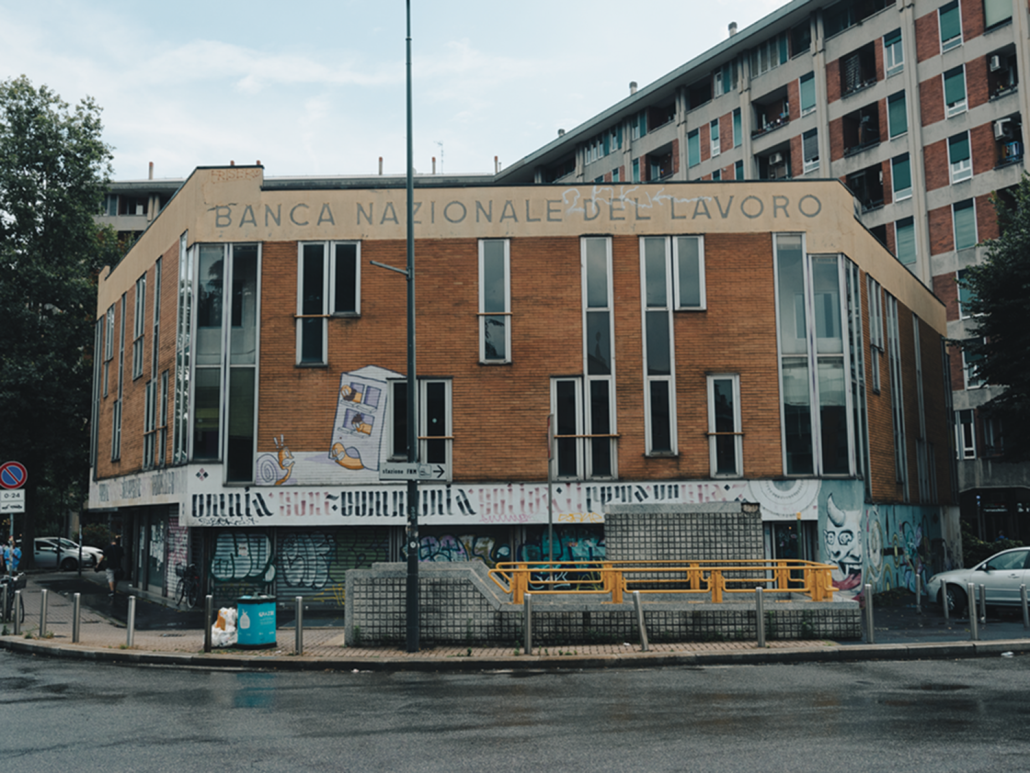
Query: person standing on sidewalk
12, 557
113, 556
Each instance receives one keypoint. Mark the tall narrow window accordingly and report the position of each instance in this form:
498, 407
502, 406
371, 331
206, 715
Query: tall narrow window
713, 130
961, 166
567, 409
183, 354
689, 272
810, 150
738, 170
434, 421
207, 381
856, 349
815, 398
897, 118
738, 133
149, 423
693, 148
162, 420
659, 384
139, 324
598, 357
329, 284
116, 424
924, 449
241, 325
965, 295
905, 240
950, 22
875, 330
970, 363
896, 392
494, 301
108, 347
156, 326
901, 177
955, 91
893, 53
806, 88
964, 218
636, 170
725, 438
965, 435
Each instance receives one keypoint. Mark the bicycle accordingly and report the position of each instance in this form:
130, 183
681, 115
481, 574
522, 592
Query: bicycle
13, 584
188, 589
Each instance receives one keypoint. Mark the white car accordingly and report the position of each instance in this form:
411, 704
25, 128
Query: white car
58, 552
1001, 575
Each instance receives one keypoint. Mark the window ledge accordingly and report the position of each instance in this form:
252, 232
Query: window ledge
312, 365
854, 150
661, 455
859, 88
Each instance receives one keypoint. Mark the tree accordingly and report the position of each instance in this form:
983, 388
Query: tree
54, 169
999, 299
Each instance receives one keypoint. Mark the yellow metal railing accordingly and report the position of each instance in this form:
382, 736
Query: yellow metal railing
716, 578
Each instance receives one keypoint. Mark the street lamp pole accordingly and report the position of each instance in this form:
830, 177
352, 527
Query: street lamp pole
412, 606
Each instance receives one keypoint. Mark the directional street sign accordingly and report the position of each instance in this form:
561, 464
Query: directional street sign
12, 502
13, 475
412, 471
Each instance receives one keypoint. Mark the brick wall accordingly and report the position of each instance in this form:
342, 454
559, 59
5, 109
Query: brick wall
888, 189
945, 288
793, 99
942, 237
983, 148
836, 139
928, 37
986, 218
705, 140
935, 161
977, 92
972, 20
833, 81
931, 100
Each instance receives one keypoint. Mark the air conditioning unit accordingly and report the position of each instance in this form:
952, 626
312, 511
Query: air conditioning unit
775, 159
995, 63
1002, 128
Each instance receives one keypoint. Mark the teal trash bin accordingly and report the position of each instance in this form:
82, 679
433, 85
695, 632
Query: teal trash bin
255, 622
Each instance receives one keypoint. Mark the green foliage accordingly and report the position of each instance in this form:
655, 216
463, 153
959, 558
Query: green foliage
54, 170
96, 535
975, 550
1000, 303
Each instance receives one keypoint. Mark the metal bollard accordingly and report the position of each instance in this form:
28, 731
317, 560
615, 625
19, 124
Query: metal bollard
1026, 609
527, 614
760, 616
15, 609
919, 595
974, 630
42, 612
640, 621
944, 601
209, 608
299, 645
870, 634
131, 623
3, 609
76, 611
983, 605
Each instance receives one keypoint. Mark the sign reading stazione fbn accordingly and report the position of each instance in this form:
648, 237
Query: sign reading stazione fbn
412, 471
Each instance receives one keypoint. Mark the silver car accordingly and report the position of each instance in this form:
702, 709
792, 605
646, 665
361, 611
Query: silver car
58, 552
1001, 575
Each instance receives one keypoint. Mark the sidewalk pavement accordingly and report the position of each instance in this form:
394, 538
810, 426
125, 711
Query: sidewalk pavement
164, 635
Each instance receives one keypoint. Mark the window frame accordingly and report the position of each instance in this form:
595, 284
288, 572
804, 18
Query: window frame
955, 40
591, 378
713, 432
505, 313
139, 326
810, 165
693, 147
901, 194
713, 138
956, 207
952, 109
965, 435
893, 53
329, 301
654, 311
678, 304
802, 82
961, 170
875, 302
905, 222
898, 96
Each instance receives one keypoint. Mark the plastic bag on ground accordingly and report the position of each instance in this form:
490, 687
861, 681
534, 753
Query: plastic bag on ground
223, 632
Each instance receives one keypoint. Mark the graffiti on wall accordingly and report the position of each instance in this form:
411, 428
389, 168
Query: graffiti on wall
242, 557
320, 560
898, 545
843, 539
571, 543
458, 548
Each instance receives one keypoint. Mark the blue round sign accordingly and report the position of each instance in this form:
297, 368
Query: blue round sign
13, 475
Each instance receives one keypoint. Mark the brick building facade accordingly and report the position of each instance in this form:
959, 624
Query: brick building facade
691, 342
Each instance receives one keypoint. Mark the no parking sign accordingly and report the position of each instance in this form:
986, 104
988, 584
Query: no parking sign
13, 475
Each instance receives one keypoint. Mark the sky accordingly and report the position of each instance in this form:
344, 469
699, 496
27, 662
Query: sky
317, 87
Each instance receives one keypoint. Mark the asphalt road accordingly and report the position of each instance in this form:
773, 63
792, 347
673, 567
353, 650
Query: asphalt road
968, 715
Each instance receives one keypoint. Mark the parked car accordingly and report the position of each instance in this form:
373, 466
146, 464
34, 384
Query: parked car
1001, 575
58, 552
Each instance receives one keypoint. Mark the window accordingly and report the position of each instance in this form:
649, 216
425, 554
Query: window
725, 79
693, 148
598, 362
434, 421
494, 301
955, 91
965, 295
183, 354
329, 282
738, 170
810, 150
961, 166
875, 331
896, 391
639, 126
689, 272
893, 53
717, 175
614, 139
116, 424
997, 12
149, 423
156, 328
725, 437
713, 130
815, 416
806, 87
994, 437
636, 170
897, 117
965, 435
905, 240
138, 326
964, 219
615, 175
950, 23
769, 55
970, 363
738, 134
901, 177
108, 347
659, 358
